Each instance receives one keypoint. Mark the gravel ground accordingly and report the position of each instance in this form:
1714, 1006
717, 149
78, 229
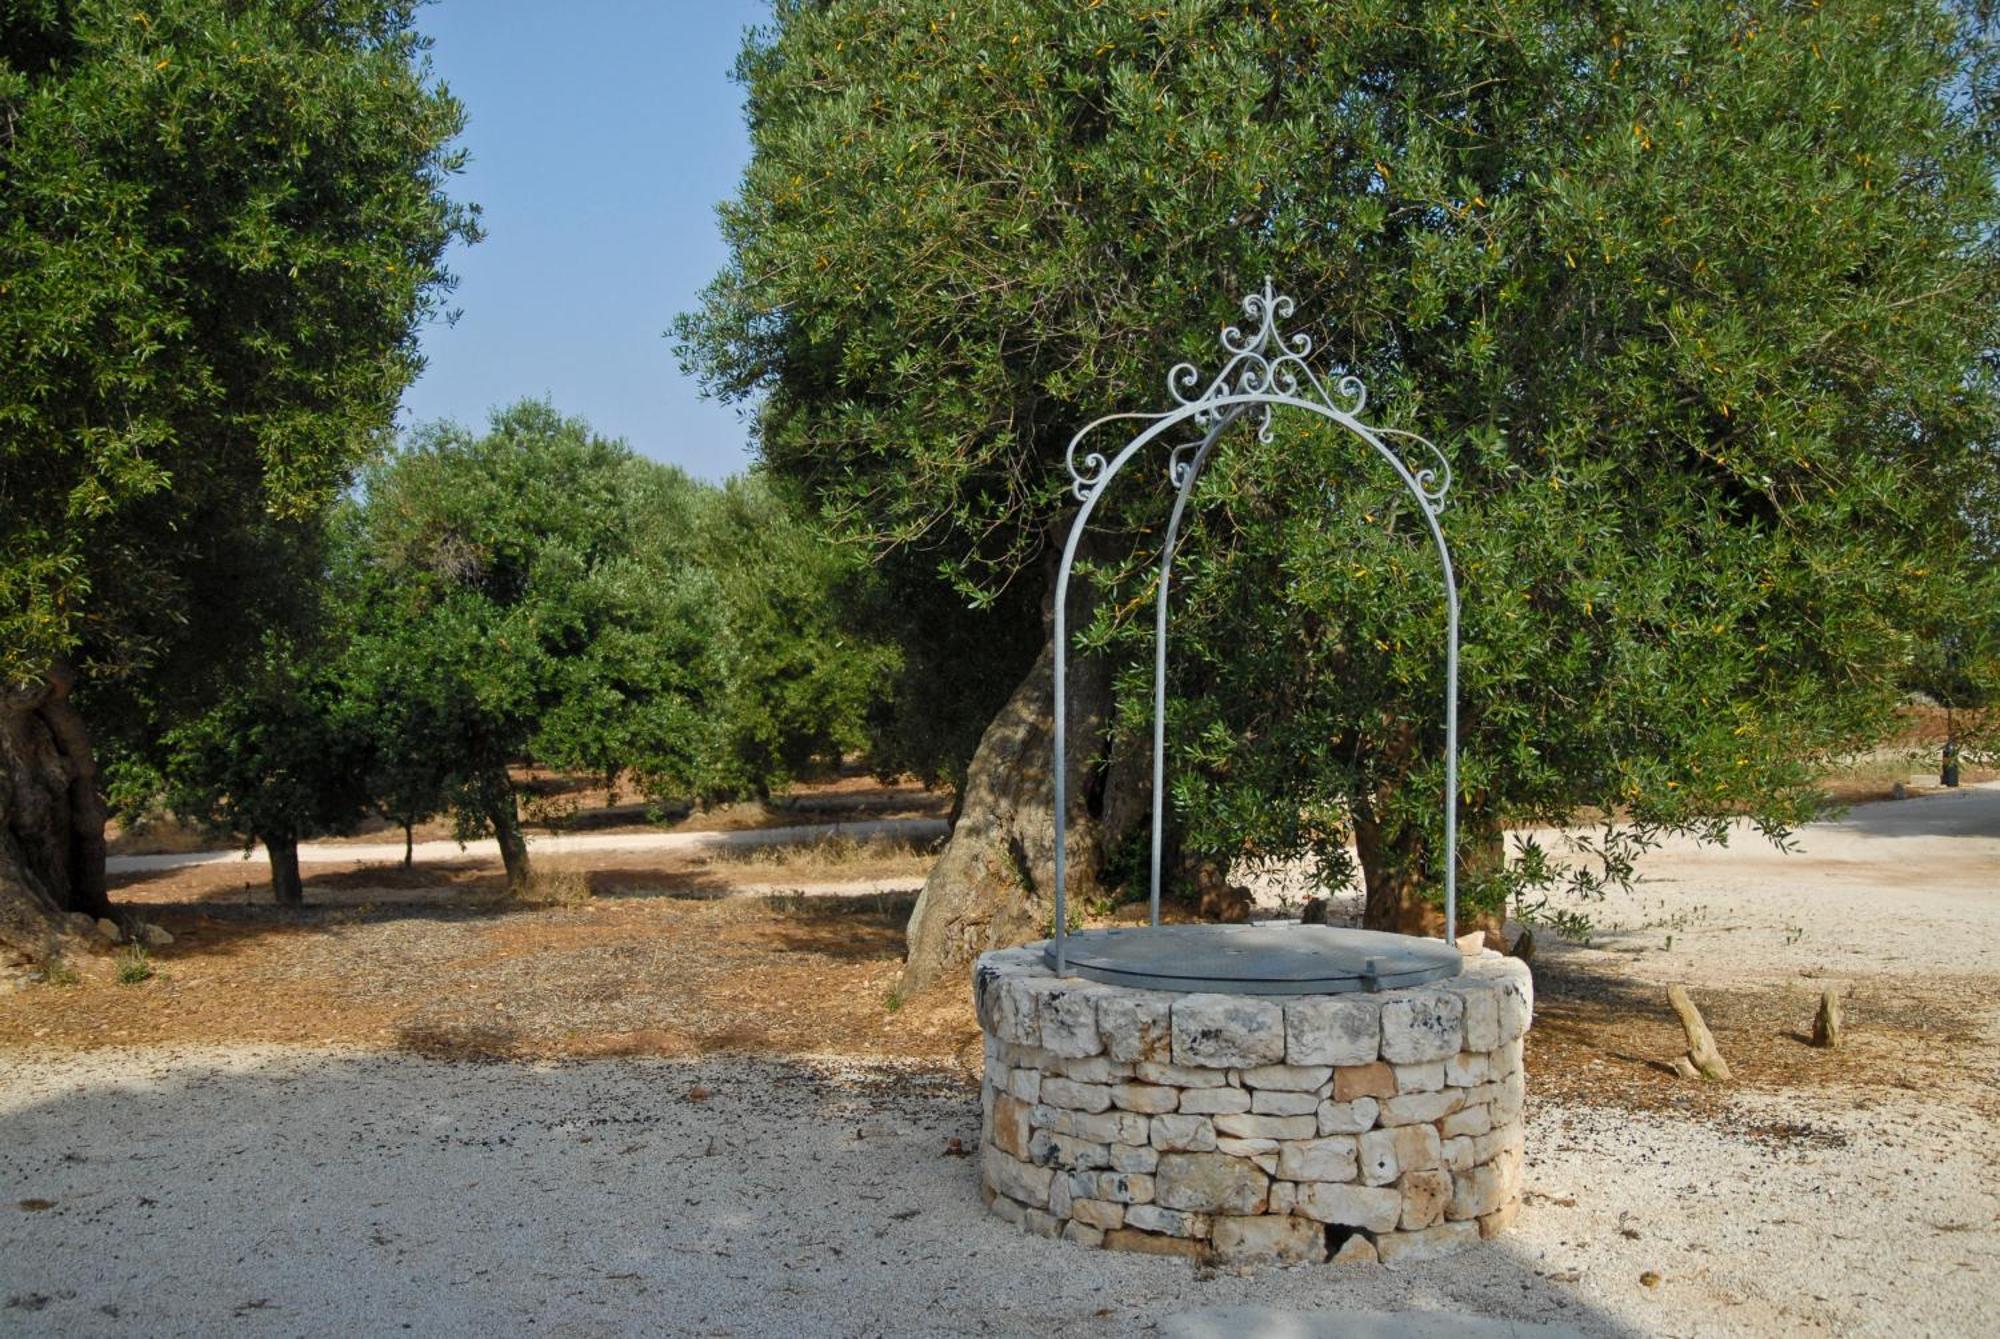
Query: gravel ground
304, 1191
299, 1192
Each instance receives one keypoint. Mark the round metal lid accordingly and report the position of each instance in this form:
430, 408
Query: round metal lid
1284, 958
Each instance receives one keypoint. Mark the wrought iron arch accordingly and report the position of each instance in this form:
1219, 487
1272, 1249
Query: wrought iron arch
1263, 371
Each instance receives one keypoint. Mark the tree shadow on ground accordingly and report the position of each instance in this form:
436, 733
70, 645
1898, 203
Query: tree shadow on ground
350, 1193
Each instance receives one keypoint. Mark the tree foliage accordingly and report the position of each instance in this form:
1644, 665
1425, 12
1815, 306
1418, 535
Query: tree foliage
220, 227
278, 759
1699, 301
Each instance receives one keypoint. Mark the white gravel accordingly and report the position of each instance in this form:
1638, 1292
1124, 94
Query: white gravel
335, 1192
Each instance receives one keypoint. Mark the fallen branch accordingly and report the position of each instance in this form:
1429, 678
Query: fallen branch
1702, 1058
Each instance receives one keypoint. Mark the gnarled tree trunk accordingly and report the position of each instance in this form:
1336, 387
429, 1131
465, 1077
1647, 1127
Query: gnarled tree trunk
51, 815
994, 885
1393, 877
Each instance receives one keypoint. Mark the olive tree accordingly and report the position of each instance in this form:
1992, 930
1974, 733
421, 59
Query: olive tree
221, 227
1698, 300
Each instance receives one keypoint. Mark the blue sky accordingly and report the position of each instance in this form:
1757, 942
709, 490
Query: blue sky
602, 134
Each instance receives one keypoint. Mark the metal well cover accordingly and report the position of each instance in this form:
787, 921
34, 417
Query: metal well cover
1276, 958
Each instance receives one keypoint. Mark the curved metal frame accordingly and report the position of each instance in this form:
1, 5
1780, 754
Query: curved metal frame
1264, 371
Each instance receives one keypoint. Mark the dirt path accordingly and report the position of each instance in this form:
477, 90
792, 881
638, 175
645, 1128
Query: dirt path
553, 844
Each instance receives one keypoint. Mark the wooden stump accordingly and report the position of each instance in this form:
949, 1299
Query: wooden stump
1827, 1022
1701, 1053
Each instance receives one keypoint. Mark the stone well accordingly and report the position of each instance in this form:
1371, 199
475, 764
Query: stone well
1300, 1128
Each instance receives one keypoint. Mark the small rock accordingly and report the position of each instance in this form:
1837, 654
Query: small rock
109, 929
1357, 1250
152, 936
1649, 1279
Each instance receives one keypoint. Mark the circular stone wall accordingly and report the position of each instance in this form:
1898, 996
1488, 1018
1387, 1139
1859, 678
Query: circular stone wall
1356, 1127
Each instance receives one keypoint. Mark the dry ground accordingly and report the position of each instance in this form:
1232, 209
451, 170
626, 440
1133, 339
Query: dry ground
1823, 1192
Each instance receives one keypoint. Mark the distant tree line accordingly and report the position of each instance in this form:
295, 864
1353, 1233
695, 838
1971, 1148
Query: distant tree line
535, 594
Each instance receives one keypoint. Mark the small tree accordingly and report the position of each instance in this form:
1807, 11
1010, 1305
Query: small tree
275, 760
531, 593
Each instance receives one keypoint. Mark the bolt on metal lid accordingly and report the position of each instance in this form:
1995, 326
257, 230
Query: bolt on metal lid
1280, 958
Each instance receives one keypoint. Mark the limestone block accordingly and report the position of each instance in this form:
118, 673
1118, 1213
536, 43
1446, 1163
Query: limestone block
1284, 1198
1183, 1133
1152, 1243
1347, 1117
1457, 1153
1258, 1151
1482, 1013
1180, 1076
1062, 1194
1277, 1102
1006, 1208
1101, 1214
1134, 1157
1016, 1179
1025, 1084
1233, 1031
1421, 1108
1123, 1188
1422, 1024
1268, 1237
1427, 1077
1516, 1007
1469, 1121
1502, 1138
1408, 1248
1168, 1222
1104, 1127
1210, 1183
1251, 1126
1467, 1069
1330, 1159
1375, 1079
1512, 1097
1215, 1101
1136, 1025
1147, 1098
1425, 1195
1493, 1224
1010, 1125
1291, 1078
1479, 1191
1337, 1030
1417, 1147
1375, 1208
1376, 1151
1068, 1019
1014, 1019
1048, 1149
1088, 1069
1076, 1096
